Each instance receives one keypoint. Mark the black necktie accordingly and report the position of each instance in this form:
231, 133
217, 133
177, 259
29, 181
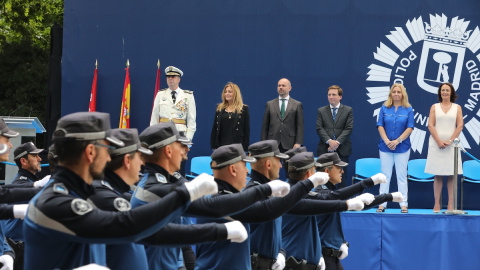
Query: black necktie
173, 96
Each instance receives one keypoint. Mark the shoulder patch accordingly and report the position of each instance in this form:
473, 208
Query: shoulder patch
81, 207
188, 92
122, 205
23, 177
60, 188
106, 184
177, 175
161, 178
324, 187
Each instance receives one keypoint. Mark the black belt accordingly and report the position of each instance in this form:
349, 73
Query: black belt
292, 263
261, 262
331, 252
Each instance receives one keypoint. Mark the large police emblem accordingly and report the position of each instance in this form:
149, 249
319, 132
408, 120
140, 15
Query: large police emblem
81, 207
421, 56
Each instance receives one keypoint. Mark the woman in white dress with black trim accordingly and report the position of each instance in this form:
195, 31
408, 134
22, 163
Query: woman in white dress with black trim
445, 124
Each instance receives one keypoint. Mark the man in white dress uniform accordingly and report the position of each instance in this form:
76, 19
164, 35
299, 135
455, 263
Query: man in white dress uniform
175, 104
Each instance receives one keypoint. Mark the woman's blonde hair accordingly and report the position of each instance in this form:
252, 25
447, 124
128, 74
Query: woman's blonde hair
237, 101
389, 102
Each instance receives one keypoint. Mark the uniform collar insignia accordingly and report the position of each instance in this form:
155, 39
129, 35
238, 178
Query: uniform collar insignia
60, 188
161, 178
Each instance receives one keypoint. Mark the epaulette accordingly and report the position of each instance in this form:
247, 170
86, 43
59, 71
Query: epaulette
60, 188
188, 92
312, 193
106, 184
324, 187
162, 89
23, 177
225, 192
257, 183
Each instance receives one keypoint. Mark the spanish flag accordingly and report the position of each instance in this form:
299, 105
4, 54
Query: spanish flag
93, 94
125, 111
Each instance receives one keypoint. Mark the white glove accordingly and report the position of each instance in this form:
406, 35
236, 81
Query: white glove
279, 188
355, 204
366, 198
321, 263
397, 197
200, 186
42, 182
20, 210
236, 231
7, 262
279, 263
319, 178
344, 250
379, 178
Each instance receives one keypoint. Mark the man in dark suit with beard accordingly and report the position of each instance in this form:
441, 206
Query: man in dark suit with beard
283, 119
334, 126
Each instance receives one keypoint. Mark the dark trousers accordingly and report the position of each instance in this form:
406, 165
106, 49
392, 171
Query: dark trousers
188, 257
282, 175
332, 263
19, 249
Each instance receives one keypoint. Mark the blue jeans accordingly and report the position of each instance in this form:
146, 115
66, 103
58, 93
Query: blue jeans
400, 160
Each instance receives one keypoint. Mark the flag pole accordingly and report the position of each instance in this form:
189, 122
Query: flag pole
157, 85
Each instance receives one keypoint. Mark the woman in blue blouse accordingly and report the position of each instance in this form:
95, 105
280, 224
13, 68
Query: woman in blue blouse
395, 123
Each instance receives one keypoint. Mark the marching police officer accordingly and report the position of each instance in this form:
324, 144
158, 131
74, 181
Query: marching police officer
175, 104
62, 226
161, 176
28, 162
111, 194
230, 172
299, 225
334, 245
266, 237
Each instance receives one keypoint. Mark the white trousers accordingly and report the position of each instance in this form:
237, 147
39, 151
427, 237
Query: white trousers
400, 160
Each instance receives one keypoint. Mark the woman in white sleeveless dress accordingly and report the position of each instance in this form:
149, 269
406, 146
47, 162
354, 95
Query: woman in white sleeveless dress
445, 124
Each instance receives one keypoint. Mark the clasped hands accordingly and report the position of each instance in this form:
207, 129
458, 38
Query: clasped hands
443, 144
333, 145
392, 144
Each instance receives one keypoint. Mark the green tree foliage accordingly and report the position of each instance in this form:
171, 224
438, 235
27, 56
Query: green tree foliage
24, 54
29, 19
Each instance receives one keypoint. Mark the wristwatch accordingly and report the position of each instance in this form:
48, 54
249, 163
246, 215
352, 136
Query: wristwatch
399, 139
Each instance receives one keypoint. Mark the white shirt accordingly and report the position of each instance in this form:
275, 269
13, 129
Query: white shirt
331, 108
280, 101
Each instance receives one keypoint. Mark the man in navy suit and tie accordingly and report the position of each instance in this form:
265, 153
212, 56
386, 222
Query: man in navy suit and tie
283, 119
334, 126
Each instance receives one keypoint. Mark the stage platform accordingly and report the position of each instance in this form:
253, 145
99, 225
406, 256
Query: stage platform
419, 240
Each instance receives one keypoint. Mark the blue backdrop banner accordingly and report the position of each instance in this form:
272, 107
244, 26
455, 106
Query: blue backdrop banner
363, 46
